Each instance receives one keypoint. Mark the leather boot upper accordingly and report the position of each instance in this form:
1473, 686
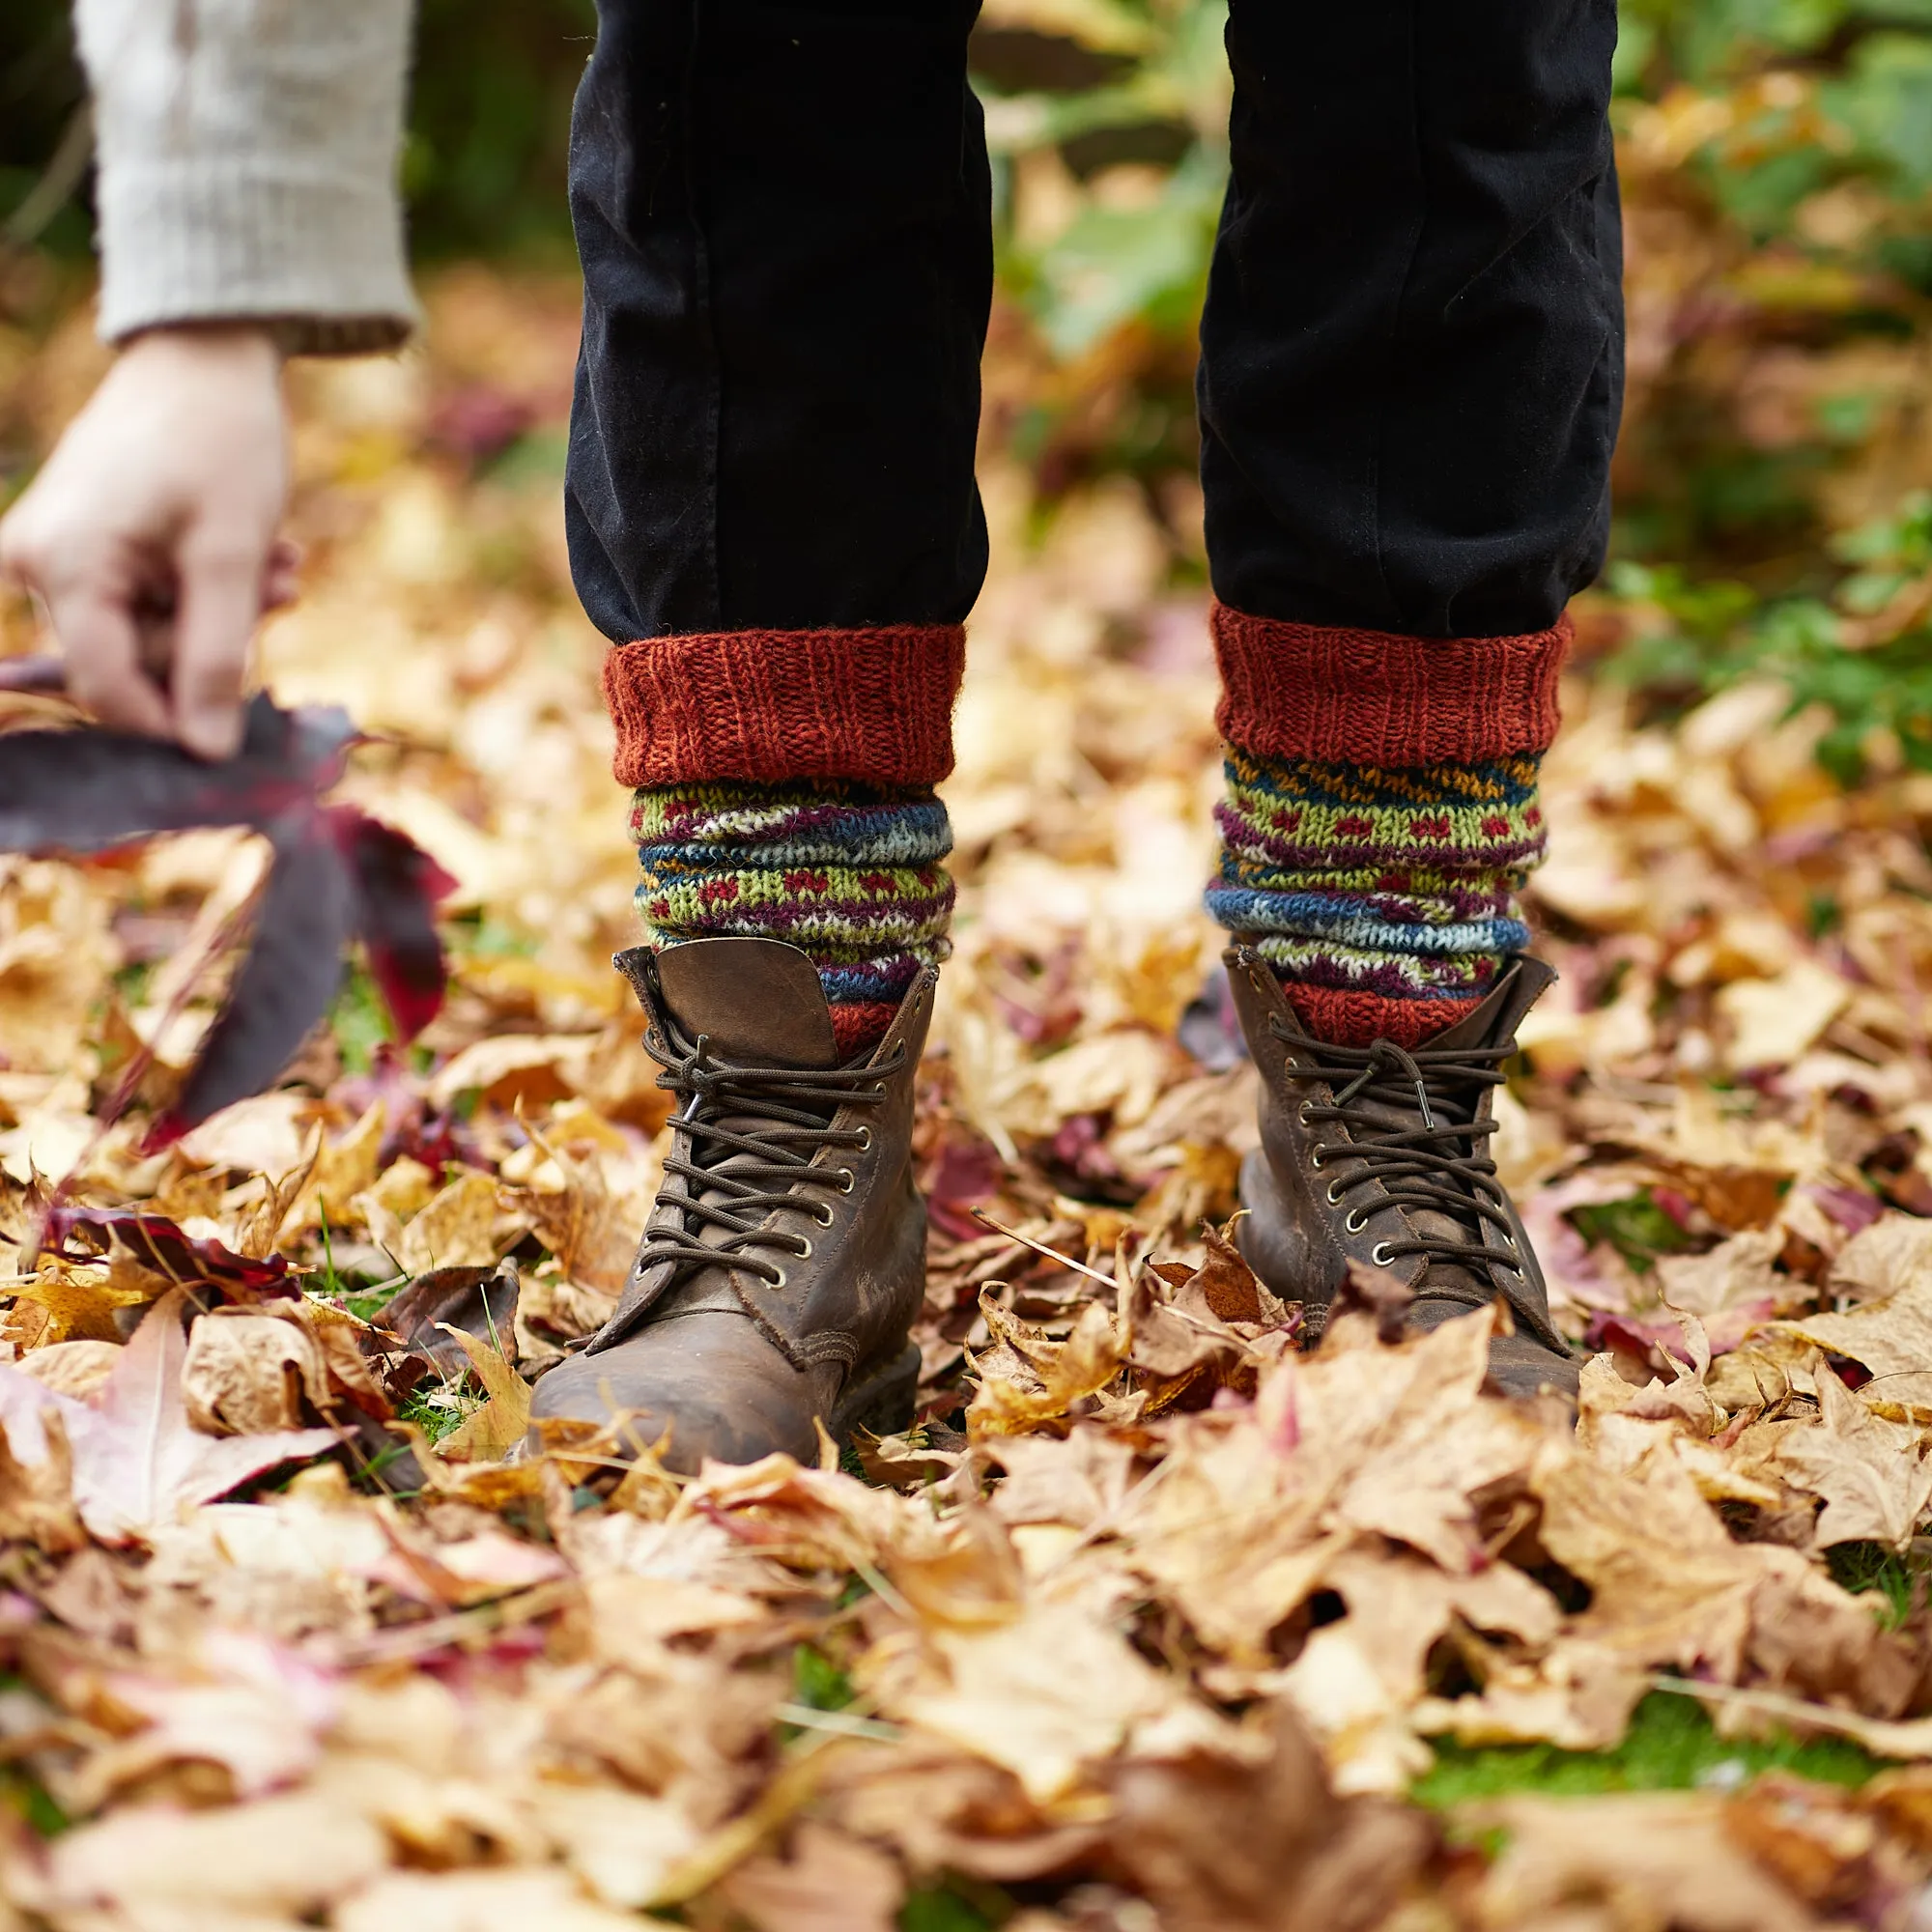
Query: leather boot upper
1379, 1155
785, 1257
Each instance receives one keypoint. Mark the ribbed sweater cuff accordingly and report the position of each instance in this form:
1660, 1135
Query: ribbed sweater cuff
318, 259
1369, 697
872, 705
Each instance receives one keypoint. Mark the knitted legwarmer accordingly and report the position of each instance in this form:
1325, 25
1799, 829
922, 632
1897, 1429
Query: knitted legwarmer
1381, 815
849, 874
1386, 900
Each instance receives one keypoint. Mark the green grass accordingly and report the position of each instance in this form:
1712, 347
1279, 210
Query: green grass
956, 1905
20, 1791
358, 1018
434, 1411
1638, 1228
1860, 1567
817, 1682
1670, 1746
24, 1795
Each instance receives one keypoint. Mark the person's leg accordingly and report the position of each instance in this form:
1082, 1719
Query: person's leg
784, 216
1409, 389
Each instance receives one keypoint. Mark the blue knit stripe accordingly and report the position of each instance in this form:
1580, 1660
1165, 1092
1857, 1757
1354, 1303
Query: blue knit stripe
1317, 916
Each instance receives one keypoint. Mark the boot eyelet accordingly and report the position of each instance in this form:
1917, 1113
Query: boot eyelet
1356, 1221
847, 1180
778, 1282
823, 1214
1334, 1194
1301, 1112
865, 1140
1317, 1156
804, 1247
1379, 1254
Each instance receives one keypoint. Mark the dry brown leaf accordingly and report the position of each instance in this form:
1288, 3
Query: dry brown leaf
343, 1169
246, 1373
80, 1303
1892, 1338
1873, 1476
1225, 1845
621, 1845
1027, 1378
479, 1901
72, 1368
829, 1883
289, 1856
1668, 1586
1654, 1859
492, 1432
457, 1229
1893, 1253
1046, 1695
136, 1462
592, 1233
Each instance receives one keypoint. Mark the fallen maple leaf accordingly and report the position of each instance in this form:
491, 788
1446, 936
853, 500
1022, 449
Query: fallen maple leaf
136, 1461
1650, 1859
504, 1419
1873, 1475
337, 873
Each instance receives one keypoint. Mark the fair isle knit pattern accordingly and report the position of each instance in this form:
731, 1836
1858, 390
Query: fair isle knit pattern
1385, 899
851, 874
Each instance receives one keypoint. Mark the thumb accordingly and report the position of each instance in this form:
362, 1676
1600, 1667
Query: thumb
220, 599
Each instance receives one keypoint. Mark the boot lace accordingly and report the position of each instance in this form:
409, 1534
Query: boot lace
1441, 1165
778, 1117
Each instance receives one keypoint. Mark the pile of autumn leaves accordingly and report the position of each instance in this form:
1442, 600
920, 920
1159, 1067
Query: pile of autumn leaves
1172, 1619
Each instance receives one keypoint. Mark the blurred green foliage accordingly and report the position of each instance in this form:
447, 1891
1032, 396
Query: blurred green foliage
1776, 159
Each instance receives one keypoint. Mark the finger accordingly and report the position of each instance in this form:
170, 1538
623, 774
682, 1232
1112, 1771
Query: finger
98, 638
281, 576
220, 600
280, 586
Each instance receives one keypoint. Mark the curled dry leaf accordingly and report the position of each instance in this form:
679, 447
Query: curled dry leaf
246, 1374
277, 1858
1650, 1859
1027, 1378
137, 1462
1872, 1475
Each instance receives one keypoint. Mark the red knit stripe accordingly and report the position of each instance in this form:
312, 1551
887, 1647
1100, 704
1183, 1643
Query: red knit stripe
1346, 1016
857, 1025
1368, 697
874, 705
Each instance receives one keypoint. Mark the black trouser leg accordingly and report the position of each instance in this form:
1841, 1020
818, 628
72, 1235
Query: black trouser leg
1411, 359
783, 219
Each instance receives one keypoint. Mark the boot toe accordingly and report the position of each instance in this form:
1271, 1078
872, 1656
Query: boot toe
704, 1391
1522, 1368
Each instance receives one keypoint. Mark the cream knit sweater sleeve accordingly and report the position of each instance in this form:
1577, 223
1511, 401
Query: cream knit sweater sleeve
247, 162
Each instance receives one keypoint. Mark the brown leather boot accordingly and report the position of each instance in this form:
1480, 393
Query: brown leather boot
784, 1257
1377, 1154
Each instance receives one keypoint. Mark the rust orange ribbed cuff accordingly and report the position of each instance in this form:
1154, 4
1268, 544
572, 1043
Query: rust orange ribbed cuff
1352, 1016
872, 705
1370, 697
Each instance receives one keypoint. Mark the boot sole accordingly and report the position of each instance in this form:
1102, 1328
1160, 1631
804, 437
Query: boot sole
882, 1404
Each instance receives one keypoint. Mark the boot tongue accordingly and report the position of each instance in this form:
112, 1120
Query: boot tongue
1501, 1012
759, 1002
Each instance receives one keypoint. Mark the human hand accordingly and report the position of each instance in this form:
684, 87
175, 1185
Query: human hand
149, 537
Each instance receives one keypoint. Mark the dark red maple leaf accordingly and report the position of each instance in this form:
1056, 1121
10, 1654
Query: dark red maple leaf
336, 875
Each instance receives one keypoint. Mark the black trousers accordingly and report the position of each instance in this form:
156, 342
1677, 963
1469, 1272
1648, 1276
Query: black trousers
1411, 356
